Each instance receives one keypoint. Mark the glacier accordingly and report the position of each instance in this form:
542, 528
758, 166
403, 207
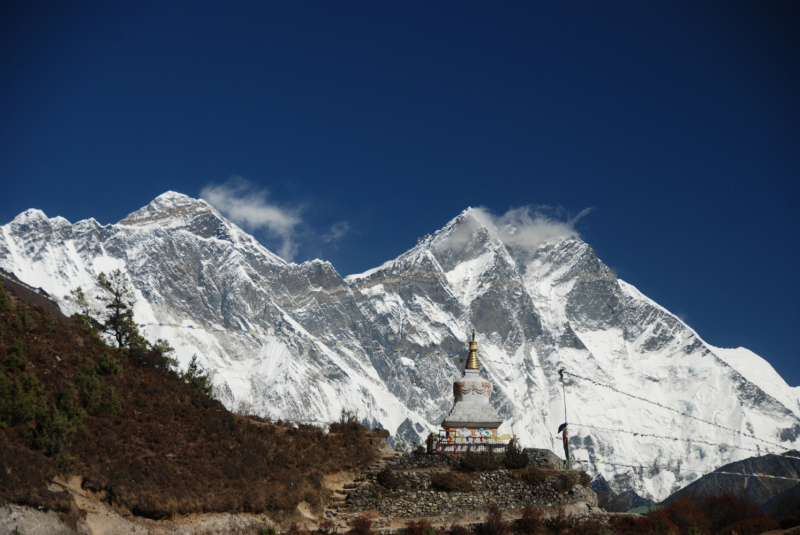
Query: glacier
537, 308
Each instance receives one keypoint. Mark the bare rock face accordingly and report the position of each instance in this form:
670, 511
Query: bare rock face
302, 342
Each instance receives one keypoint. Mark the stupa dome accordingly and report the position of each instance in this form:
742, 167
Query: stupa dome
472, 411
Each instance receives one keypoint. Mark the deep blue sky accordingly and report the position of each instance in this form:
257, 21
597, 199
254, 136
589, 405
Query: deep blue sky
677, 123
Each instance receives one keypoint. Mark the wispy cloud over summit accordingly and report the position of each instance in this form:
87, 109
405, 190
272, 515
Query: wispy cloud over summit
238, 200
525, 227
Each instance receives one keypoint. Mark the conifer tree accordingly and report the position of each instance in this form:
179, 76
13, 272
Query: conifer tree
198, 380
119, 302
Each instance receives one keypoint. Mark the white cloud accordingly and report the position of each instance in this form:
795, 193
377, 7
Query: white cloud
526, 227
247, 206
337, 232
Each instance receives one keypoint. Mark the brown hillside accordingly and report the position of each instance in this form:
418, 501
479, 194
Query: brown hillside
168, 451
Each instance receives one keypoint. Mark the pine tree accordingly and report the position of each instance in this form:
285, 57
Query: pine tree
119, 302
198, 380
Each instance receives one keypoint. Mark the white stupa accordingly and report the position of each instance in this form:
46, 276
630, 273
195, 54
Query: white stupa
472, 414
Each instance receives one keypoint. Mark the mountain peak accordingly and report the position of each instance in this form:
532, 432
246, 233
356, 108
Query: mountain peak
170, 209
31, 214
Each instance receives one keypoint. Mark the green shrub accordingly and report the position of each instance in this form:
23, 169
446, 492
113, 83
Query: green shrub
110, 403
108, 365
21, 399
74, 359
50, 324
515, 459
16, 361
2, 331
90, 388
476, 462
66, 404
5, 301
53, 429
24, 323
95, 396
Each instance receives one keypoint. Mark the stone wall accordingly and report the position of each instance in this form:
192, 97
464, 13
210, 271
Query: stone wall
537, 457
416, 497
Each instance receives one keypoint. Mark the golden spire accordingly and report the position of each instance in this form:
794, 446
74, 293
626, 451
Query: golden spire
472, 360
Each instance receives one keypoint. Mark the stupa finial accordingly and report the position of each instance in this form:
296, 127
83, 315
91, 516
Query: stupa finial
472, 359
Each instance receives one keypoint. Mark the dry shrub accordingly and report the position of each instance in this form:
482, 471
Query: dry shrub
361, 526
587, 526
790, 505
325, 526
458, 529
655, 522
476, 462
452, 482
584, 479
725, 509
751, 526
419, 527
533, 475
622, 525
558, 522
515, 458
494, 524
348, 423
687, 513
531, 521
564, 482
390, 479
789, 522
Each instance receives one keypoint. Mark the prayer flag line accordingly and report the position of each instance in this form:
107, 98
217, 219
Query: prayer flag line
722, 446
682, 413
330, 341
635, 466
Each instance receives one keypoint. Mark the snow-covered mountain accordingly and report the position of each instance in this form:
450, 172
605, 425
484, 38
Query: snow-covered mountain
551, 304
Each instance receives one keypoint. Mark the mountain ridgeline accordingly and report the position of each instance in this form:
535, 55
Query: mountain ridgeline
537, 308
